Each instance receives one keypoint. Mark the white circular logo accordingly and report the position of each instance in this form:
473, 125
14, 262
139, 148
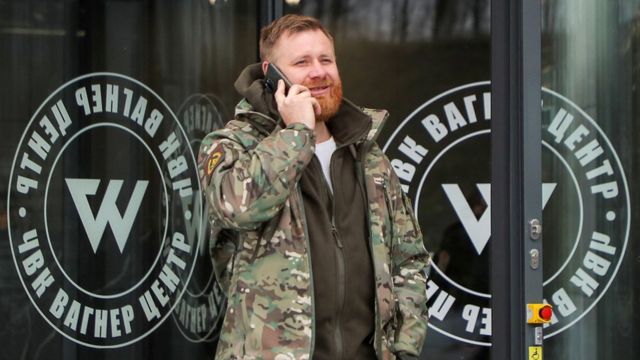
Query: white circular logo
441, 153
102, 210
201, 307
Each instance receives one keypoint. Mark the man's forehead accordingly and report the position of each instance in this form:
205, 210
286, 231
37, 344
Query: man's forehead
288, 37
290, 33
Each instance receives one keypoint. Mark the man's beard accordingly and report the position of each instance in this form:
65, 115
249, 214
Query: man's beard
329, 103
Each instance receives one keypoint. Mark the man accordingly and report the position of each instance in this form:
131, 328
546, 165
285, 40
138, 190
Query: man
329, 261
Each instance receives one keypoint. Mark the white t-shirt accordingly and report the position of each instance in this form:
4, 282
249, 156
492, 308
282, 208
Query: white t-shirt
324, 150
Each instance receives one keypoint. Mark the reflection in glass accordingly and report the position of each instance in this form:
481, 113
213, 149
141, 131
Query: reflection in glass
399, 55
591, 73
187, 54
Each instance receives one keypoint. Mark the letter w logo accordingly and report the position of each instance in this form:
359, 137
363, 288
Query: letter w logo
108, 212
479, 229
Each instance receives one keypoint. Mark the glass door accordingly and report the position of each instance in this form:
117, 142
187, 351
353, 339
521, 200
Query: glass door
102, 252
428, 63
590, 110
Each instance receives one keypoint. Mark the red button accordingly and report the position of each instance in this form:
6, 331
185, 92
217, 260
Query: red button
546, 313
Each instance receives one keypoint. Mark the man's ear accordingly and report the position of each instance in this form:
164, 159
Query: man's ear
265, 64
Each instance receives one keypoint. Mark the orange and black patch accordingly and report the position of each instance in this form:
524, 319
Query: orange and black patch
214, 159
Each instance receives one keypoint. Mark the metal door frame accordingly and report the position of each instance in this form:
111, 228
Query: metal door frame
515, 174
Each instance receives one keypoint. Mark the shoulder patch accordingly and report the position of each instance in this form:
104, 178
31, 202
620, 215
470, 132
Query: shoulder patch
214, 159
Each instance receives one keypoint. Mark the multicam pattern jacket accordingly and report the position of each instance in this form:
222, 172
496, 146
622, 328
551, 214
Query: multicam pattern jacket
250, 172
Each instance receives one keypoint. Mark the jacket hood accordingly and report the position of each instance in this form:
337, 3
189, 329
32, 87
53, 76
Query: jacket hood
250, 84
349, 125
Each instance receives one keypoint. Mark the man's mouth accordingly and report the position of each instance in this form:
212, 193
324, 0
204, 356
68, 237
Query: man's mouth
319, 87
319, 90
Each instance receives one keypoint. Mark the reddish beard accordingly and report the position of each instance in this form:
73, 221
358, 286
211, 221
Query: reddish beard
329, 103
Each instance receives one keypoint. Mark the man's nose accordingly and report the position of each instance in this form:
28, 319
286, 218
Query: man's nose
317, 70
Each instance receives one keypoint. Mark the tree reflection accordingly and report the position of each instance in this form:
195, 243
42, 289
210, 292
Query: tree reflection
401, 20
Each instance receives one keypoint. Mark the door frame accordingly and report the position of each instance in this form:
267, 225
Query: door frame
516, 173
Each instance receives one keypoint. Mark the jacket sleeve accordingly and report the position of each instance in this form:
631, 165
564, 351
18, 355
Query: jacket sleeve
247, 185
409, 264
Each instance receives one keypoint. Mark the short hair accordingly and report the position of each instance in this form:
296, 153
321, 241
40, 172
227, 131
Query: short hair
288, 24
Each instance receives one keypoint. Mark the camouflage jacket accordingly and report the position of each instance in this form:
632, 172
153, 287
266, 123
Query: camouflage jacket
250, 172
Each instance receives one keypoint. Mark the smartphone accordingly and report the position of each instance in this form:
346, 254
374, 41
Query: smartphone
271, 79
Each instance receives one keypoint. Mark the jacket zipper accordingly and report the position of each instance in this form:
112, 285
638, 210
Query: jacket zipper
340, 265
341, 275
341, 291
361, 176
311, 282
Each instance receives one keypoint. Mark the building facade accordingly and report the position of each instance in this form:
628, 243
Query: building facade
103, 243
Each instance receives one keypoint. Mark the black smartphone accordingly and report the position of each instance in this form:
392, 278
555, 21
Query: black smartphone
271, 79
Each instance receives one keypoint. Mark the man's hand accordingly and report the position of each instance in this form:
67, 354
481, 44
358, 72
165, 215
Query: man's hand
298, 106
404, 356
